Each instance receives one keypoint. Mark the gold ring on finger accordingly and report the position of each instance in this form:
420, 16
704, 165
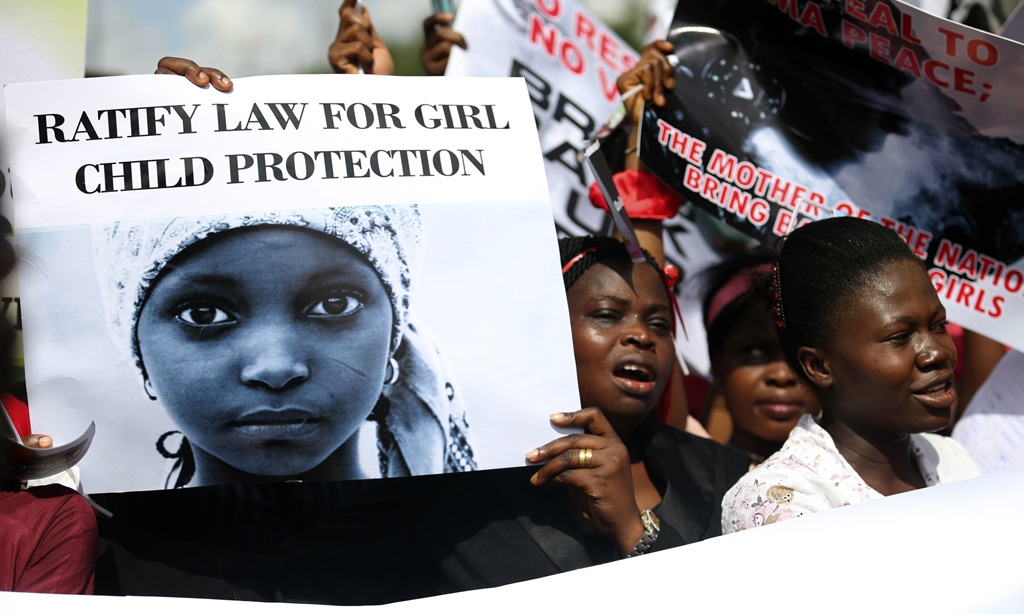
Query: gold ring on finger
586, 457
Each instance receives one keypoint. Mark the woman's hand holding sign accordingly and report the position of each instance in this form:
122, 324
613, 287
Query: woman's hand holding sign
439, 38
198, 75
595, 465
653, 72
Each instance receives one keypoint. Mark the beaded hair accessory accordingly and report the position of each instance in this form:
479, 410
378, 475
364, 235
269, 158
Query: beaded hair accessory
776, 288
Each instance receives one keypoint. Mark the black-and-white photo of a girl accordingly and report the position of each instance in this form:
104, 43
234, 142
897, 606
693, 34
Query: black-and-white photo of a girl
270, 339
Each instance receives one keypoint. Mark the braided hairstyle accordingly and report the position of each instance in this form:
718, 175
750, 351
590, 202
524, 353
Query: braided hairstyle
585, 252
820, 267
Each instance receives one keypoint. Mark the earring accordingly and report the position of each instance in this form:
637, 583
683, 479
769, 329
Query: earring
148, 387
391, 375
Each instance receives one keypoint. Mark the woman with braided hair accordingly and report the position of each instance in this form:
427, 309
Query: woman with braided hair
625, 462
861, 323
270, 338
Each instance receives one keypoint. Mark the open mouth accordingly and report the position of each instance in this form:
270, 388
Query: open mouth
940, 395
635, 378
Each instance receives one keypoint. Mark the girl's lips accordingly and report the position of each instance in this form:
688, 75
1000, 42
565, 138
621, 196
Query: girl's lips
781, 409
277, 424
939, 396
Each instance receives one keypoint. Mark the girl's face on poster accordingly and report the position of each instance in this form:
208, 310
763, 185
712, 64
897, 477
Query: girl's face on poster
621, 333
268, 346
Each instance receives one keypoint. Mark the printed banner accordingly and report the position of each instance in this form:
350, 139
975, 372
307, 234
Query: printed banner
311, 277
38, 40
571, 62
786, 111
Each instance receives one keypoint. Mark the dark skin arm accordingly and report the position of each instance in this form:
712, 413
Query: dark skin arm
438, 40
198, 75
357, 44
656, 75
654, 72
604, 491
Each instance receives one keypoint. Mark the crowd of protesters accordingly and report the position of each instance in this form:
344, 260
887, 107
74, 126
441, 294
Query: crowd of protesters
831, 354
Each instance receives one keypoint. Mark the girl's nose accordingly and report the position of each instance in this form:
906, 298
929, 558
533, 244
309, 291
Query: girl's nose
276, 367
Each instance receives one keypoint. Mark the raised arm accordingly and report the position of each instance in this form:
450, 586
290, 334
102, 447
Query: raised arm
357, 45
438, 40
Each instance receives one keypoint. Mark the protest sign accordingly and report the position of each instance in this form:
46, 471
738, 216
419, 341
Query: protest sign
992, 426
312, 277
38, 40
865, 108
571, 62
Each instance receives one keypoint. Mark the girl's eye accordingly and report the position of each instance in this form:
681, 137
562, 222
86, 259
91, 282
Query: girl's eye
940, 326
605, 315
340, 305
204, 315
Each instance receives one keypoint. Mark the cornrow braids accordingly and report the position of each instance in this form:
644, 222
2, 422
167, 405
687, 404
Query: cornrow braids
820, 267
578, 254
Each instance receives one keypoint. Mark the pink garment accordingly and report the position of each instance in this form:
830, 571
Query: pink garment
47, 541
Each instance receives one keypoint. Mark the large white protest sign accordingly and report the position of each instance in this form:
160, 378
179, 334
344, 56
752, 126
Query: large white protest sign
312, 277
38, 40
